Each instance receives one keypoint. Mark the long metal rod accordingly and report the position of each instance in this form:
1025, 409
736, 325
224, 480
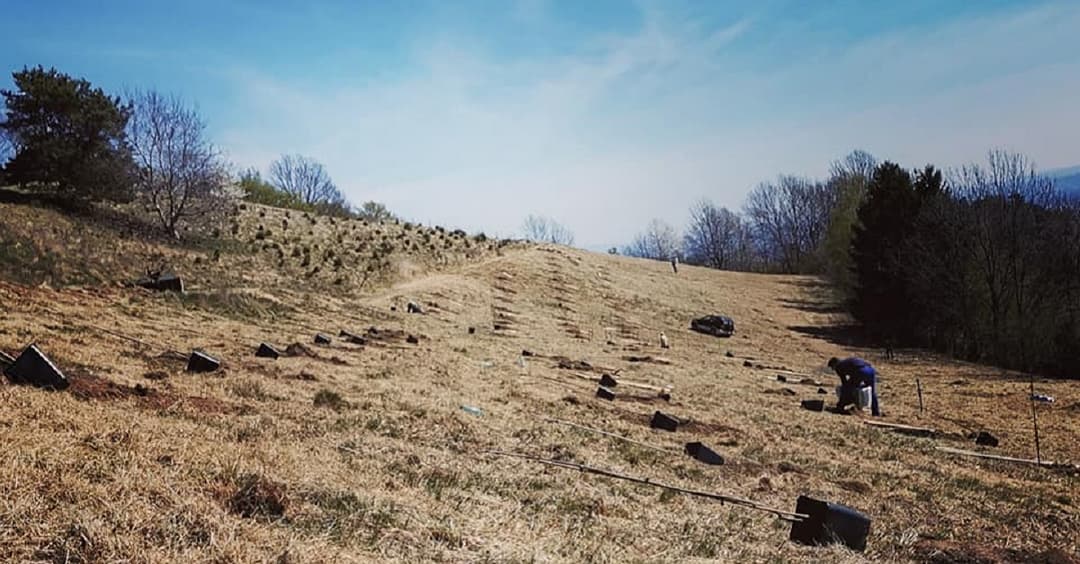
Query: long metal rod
171, 352
787, 515
612, 435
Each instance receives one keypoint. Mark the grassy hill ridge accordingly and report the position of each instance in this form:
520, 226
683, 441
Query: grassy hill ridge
358, 452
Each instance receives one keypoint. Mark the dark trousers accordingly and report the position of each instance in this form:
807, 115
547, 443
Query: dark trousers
849, 393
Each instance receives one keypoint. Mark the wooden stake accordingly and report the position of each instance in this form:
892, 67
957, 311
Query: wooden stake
612, 435
1035, 418
624, 382
918, 385
722, 498
1046, 464
908, 429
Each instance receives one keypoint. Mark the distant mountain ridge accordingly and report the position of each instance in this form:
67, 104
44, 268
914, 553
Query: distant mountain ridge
1063, 171
1066, 179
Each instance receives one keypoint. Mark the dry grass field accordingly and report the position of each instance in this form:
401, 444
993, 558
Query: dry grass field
362, 452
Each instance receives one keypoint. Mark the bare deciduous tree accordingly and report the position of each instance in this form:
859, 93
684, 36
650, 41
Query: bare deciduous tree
179, 174
306, 179
849, 179
1007, 198
716, 237
789, 220
546, 230
858, 164
658, 242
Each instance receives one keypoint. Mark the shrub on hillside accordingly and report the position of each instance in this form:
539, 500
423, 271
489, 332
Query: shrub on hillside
258, 191
334, 209
374, 211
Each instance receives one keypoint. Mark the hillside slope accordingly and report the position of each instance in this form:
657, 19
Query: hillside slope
358, 452
256, 247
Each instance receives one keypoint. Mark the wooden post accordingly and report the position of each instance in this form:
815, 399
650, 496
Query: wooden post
1045, 464
918, 385
1035, 418
906, 429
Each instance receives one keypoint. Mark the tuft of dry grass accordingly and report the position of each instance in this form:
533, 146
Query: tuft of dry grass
256, 497
331, 399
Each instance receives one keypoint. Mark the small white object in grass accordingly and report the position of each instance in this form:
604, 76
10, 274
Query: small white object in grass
664, 341
1042, 398
472, 410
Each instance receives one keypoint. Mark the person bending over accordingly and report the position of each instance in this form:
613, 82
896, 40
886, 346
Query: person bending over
855, 373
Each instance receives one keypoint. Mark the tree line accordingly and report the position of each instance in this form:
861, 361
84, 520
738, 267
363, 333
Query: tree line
791, 225
65, 138
981, 262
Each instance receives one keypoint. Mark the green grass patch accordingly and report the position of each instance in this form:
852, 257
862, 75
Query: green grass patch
346, 518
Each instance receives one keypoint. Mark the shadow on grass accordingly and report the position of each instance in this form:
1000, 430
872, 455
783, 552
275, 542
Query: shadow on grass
813, 296
812, 306
818, 296
122, 220
846, 335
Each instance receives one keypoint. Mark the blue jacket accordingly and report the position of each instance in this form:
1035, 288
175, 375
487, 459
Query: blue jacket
855, 371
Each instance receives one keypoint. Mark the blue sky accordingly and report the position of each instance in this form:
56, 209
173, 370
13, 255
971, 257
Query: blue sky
602, 114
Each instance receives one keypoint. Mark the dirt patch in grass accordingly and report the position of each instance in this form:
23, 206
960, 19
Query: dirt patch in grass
300, 349
567, 364
855, 486
74, 544
647, 359
87, 386
645, 399
256, 497
90, 387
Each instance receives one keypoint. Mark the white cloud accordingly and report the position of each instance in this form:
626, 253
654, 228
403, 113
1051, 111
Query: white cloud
642, 124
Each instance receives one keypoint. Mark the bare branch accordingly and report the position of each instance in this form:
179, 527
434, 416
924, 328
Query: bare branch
180, 175
658, 242
717, 238
306, 179
789, 220
546, 230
